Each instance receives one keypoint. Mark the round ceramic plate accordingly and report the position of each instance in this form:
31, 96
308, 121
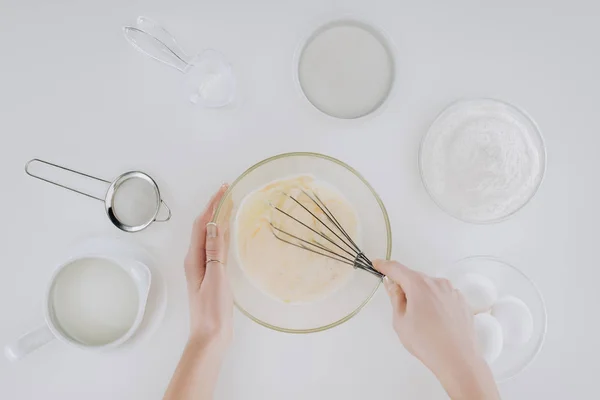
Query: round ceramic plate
346, 69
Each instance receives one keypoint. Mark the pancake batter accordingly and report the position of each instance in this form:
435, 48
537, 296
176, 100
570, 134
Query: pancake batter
279, 269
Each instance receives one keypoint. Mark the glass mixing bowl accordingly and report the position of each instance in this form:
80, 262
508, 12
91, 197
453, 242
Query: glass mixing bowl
376, 235
510, 282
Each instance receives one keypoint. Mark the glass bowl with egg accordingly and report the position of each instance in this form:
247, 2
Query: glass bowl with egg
509, 312
289, 289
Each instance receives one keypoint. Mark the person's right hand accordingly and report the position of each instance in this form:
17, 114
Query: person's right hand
435, 324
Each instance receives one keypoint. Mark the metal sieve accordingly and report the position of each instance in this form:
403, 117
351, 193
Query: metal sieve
121, 219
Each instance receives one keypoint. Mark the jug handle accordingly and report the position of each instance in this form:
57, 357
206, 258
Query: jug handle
156, 42
28, 342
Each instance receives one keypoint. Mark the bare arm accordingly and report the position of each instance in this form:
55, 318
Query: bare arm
211, 309
197, 372
433, 321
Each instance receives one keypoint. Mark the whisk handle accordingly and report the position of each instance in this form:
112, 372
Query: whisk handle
156, 42
372, 271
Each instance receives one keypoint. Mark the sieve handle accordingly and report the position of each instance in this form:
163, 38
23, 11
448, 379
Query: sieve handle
156, 42
168, 217
37, 160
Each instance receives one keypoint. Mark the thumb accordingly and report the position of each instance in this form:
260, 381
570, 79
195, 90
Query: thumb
396, 295
215, 278
215, 244
397, 273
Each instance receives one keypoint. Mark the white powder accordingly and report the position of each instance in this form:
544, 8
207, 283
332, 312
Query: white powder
135, 202
482, 160
210, 80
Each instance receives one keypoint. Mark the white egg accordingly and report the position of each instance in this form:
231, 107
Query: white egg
479, 291
515, 319
489, 336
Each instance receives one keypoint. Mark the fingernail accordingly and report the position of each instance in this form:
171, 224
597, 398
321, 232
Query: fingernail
211, 230
387, 283
224, 184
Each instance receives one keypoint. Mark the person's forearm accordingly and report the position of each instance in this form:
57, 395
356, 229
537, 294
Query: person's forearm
472, 381
197, 372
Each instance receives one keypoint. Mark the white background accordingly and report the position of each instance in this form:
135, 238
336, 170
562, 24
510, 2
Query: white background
73, 91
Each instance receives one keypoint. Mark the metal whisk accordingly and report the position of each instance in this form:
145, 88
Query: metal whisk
343, 250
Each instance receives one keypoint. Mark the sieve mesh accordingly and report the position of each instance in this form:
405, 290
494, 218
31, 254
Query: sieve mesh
135, 202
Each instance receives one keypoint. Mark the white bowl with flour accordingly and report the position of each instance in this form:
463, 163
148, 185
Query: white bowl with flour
482, 160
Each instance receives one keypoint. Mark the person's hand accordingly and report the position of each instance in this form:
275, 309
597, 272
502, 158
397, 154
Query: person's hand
211, 307
430, 317
435, 324
211, 300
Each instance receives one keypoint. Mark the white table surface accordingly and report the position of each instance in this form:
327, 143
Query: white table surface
73, 91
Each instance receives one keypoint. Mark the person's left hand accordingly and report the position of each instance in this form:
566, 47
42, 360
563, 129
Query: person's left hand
210, 296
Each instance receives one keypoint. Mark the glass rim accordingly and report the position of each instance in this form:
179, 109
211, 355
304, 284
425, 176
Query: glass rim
537, 133
387, 227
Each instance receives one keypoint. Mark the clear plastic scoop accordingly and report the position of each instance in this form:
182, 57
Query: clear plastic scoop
209, 78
